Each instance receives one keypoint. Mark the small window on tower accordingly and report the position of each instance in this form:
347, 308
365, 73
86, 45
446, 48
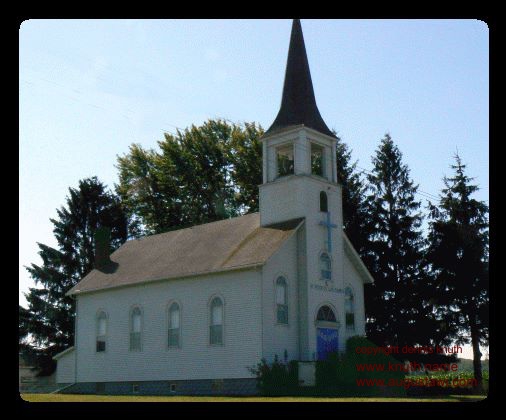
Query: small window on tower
325, 267
317, 161
285, 160
323, 202
349, 308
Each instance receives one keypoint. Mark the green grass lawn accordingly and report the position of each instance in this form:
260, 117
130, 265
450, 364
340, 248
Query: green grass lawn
129, 398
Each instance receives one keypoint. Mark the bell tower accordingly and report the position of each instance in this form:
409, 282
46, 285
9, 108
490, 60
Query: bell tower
300, 181
298, 145
299, 150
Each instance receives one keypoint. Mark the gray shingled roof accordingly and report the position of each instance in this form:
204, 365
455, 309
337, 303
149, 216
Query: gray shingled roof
229, 244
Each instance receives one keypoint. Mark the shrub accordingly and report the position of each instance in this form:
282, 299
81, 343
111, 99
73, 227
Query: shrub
335, 376
348, 373
278, 378
338, 374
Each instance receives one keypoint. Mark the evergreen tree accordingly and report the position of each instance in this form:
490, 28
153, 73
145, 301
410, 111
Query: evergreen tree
458, 255
47, 324
354, 209
396, 312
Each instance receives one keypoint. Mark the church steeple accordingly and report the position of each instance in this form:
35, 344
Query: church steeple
298, 105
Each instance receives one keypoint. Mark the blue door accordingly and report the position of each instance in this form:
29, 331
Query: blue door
326, 342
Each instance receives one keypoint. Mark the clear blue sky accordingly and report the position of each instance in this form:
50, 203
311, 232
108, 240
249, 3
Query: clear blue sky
90, 88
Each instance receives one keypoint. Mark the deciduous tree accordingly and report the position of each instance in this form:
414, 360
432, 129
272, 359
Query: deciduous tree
199, 175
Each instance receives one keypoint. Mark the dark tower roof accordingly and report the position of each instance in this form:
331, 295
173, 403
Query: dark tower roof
298, 105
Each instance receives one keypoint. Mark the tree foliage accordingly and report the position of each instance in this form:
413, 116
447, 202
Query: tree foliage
354, 208
47, 324
396, 311
458, 256
202, 174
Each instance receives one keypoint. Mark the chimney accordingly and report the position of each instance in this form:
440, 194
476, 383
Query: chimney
102, 244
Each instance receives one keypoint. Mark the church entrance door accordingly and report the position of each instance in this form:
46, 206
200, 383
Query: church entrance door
327, 335
327, 341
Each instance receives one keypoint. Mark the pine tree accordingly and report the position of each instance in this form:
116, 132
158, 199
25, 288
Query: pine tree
458, 254
397, 315
354, 211
47, 324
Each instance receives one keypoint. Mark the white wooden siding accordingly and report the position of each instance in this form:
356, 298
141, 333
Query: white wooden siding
65, 368
280, 337
354, 279
196, 359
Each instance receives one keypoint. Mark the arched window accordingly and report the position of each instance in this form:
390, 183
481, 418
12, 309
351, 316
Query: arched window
135, 329
101, 331
174, 325
281, 301
325, 313
325, 266
349, 307
323, 202
216, 327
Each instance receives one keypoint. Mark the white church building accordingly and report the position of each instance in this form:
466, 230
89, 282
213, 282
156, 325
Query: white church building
189, 311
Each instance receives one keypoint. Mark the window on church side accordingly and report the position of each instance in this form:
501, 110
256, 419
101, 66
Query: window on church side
317, 160
216, 327
325, 313
349, 308
325, 266
135, 329
285, 160
323, 202
101, 331
174, 325
281, 301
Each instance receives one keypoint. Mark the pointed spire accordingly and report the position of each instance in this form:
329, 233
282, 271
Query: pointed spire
298, 105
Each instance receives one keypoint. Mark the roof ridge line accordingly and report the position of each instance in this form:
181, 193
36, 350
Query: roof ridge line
191, 227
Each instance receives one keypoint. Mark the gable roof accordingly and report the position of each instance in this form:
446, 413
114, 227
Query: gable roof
225, 245
357, 261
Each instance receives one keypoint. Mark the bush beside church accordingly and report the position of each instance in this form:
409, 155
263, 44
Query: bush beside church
335, 376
